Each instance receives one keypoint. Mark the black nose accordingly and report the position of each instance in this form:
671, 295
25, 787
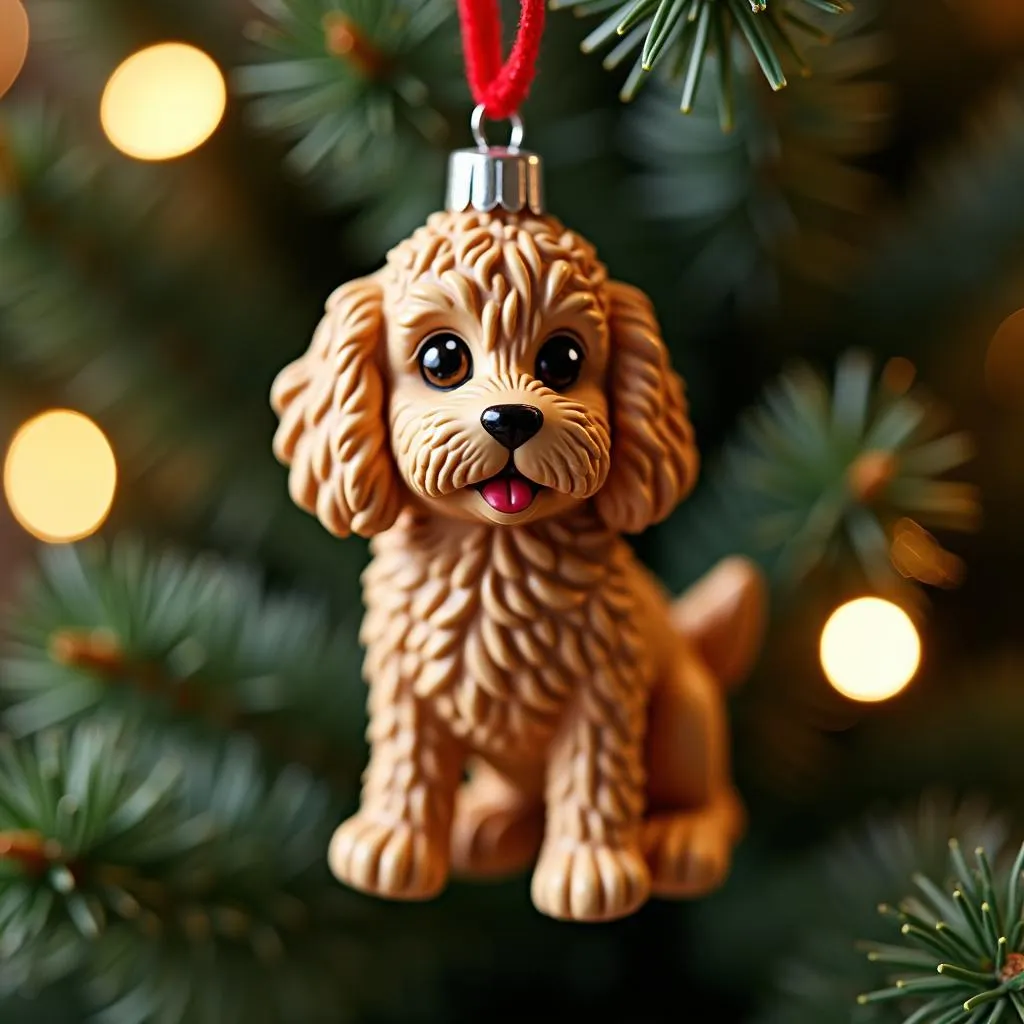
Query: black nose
512, 425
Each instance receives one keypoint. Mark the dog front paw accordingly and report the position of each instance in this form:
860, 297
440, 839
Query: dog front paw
689, 852
578, 881
394, 861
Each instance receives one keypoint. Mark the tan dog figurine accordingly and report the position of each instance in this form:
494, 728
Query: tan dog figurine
495, 412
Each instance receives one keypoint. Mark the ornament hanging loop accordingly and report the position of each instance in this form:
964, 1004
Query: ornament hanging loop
501, 86
490, 177
476, 124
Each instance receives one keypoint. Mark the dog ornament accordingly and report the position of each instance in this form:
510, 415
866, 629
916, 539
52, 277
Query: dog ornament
495, 412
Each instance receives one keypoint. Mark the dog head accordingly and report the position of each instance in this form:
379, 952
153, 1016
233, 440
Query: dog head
490, 372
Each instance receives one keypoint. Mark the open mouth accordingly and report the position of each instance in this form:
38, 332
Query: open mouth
509, 491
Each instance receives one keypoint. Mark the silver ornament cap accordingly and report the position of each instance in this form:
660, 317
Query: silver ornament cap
495, 177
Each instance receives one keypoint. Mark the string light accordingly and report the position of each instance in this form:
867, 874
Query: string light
898, 375
870, 649
13, 41
998, 24
163, 102
1004, 361
60, 476
917, 555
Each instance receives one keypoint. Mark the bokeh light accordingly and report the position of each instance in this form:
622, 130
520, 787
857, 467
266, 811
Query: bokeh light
998, 24
163, 102
13, 41
917, 555
1004, 361
898, 375
870, 649
60, 476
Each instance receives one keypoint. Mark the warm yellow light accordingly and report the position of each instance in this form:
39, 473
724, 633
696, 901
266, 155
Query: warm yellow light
13, 41
1004, 361
870, 649
163, 101
60, 476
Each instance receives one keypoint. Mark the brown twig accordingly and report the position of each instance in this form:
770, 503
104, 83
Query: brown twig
1014, 965
345, 39
31, 850
870, 474
101, 653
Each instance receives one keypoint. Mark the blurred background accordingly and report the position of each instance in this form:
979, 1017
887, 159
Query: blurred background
837, 266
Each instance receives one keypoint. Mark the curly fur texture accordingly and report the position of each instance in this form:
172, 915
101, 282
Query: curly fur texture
331, 430
655, 462
531, 645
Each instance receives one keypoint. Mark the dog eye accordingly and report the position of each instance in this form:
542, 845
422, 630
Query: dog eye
445, 362
559, 362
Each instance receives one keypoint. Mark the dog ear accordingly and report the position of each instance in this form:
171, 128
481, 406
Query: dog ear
333, 432
654, 458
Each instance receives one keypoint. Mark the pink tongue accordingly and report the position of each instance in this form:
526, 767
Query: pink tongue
507, 495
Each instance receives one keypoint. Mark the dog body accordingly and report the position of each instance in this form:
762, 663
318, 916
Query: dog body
504, 622
495, 413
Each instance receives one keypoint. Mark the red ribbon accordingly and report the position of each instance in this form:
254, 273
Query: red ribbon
500, 88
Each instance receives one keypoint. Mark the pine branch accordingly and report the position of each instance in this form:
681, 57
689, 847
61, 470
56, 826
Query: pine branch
366, 87
968, 201
817, 477
347, 78
169, 883
801, 945
120, 627
678, 36
784, 197
963, 957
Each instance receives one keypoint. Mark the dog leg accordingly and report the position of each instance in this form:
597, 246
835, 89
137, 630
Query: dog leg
499, 821
397, 845
695, 815
591, 867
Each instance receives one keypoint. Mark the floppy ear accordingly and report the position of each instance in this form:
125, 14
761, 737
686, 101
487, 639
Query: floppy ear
654, 458
333, 429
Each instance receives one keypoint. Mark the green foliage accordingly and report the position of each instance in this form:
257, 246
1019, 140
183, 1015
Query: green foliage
160, 867
814, 905
956, 237
678, 35
97, 285
786, 192
54, 1006
365, 86
962, 959
168, 882
118, 626
817, 476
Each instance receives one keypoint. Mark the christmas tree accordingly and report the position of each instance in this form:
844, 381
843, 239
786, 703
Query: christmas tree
822, 200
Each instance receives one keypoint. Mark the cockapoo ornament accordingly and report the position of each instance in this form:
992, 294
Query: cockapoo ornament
495, 413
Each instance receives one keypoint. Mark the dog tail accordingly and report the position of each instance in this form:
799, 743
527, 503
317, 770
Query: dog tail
723, 615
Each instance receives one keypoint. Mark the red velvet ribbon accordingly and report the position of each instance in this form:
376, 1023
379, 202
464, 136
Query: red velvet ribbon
499, 87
